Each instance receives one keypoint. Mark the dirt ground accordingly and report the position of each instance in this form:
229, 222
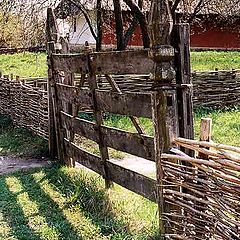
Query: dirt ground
11, 164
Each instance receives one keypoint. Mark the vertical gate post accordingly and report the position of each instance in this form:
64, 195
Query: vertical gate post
181, 43
51, 31
162, 53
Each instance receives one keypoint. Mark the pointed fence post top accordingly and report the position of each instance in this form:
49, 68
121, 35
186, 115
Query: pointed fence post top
160, 23
161, 52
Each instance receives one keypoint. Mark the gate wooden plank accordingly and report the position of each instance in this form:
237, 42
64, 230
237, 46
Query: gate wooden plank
133, 181
73, 63
71, 94
131, 104
129, 179
132, 143
83, 157
122, 62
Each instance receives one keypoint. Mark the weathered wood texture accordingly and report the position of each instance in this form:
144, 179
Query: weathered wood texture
211, 205
131, 180
135, 104
26, 104
181, 42
132, 143
216, 88
124, 62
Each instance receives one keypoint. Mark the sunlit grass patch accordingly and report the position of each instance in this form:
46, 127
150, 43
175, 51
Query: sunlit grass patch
226, 125
210, 60
24, 64
63, 203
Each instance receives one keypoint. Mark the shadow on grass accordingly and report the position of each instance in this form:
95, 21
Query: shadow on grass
48, 208
78, 191
83, 191
93, 202
13, 215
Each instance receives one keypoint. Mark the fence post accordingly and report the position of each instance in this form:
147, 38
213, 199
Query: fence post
181, 43
165, 124
205, 135
53, 145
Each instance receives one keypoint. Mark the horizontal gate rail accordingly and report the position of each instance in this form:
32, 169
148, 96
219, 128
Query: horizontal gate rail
132, 143
131, 180
131, 104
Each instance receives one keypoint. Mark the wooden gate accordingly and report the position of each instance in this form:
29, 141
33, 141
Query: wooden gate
119, 83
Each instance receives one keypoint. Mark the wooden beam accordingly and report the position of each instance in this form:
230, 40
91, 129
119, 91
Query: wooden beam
131, 104
122, 62
115, 62
71, 63
71, 94
132, 143
129, 179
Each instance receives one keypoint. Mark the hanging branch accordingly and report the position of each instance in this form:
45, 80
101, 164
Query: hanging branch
85, 14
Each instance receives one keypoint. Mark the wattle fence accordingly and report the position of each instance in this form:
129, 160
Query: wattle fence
26, 102
216, 89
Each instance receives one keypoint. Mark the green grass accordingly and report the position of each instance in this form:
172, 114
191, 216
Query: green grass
226, 125
35, 64
60, 203
20, 142
209, 60
24, 64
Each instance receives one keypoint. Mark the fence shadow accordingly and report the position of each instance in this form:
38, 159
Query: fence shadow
94, 205
93, 202
12, 213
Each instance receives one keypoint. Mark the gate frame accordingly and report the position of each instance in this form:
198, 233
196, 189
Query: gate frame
166, 52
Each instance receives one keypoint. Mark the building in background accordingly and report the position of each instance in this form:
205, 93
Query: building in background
209, 30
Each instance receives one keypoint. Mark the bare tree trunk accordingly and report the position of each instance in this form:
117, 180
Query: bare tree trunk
142, 21
99, 26
119, 24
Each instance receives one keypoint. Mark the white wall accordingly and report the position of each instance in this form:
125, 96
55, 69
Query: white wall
82, 33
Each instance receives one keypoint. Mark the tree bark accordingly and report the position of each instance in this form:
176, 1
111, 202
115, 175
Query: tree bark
119, 24
99, 26
142, 21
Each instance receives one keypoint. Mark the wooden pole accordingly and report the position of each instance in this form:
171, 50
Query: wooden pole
92, 79
162, 53
181, 42
51, 39
205, 135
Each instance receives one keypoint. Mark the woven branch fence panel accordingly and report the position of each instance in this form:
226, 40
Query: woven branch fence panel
26, 100
206, 190
216, 88
26, 103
